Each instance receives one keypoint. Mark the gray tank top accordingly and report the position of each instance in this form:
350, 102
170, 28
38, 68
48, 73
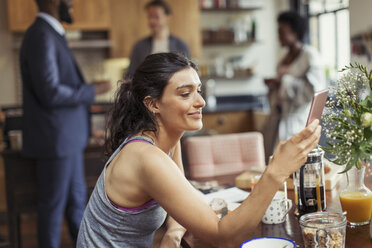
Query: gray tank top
106, 225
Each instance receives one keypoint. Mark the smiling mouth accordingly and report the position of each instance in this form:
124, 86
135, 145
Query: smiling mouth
196, 115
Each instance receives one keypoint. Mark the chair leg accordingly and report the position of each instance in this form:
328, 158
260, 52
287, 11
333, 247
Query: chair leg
18, 231
14, 230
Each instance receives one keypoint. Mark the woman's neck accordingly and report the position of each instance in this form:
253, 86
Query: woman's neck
295, 47
164, 139
293, 52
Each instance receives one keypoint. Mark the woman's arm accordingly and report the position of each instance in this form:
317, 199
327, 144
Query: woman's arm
173, 236
163, 181
175, 232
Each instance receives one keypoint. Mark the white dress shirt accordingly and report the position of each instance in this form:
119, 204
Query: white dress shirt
56, 25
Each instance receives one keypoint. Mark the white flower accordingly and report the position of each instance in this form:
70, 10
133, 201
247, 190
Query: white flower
366, 119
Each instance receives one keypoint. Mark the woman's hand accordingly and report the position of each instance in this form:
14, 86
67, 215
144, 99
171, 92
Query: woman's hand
282, 70
172, 238
291, 154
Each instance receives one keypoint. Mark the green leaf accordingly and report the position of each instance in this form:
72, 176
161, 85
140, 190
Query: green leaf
365, 149
350, 164
339, 160
366, 104
365, 145
368, 133
329, 149
358, 164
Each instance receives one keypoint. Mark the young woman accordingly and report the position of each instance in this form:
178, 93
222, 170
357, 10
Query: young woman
143, 183
300, 73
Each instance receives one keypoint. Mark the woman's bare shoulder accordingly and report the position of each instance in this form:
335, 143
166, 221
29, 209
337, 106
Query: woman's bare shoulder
140, 155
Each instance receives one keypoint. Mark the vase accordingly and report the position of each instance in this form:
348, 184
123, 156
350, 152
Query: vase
356, 198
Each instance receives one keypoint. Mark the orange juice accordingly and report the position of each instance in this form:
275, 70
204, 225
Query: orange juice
358, 206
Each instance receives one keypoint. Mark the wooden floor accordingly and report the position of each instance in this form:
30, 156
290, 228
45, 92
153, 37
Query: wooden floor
28, 232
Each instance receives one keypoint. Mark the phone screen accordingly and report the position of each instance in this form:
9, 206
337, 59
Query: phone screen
317, 106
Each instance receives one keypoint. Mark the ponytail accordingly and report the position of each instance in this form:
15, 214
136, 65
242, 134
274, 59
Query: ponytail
127, 116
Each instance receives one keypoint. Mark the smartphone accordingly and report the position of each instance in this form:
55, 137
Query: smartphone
317, 106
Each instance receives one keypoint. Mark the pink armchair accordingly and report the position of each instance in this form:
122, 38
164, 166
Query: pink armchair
224, 154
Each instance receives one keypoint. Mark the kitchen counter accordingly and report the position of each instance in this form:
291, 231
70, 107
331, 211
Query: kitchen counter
238, 108
236, 103
239, 94
225, 103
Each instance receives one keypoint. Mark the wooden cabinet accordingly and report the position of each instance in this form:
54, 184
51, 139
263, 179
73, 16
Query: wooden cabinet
125, 21
229, 122
88, 15
129, 24
21, 14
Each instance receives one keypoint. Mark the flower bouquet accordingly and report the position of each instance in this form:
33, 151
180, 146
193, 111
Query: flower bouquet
348, 118
348, 126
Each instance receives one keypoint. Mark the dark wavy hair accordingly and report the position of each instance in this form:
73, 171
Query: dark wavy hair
129, 115
295, 21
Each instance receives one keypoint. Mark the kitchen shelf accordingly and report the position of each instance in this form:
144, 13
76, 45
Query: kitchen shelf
230, 9
247, 77
90, 43
238, 44
81, 44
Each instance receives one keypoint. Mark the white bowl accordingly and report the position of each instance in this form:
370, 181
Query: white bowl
266, 242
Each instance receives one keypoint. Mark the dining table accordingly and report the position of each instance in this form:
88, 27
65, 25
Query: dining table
356, 237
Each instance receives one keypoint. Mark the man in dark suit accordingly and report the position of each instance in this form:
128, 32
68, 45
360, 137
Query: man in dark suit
160, 40
56, 124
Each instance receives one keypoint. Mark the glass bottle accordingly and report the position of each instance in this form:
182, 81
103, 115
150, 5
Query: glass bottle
356, 198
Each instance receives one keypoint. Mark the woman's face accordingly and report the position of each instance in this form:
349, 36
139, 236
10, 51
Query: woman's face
286, 35
180, 107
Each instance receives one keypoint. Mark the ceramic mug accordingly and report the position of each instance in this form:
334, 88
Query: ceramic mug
277, 210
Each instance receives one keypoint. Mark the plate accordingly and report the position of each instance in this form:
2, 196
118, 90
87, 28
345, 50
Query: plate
272, 242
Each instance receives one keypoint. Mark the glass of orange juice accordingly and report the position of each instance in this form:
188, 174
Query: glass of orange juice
358, 207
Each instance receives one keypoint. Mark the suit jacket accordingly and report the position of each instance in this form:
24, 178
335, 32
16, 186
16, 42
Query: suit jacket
143, 48
55, 96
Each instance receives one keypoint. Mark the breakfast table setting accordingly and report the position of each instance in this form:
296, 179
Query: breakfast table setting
327, 202
290, 229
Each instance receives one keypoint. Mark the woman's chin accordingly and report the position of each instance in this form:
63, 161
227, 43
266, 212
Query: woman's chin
195, 128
